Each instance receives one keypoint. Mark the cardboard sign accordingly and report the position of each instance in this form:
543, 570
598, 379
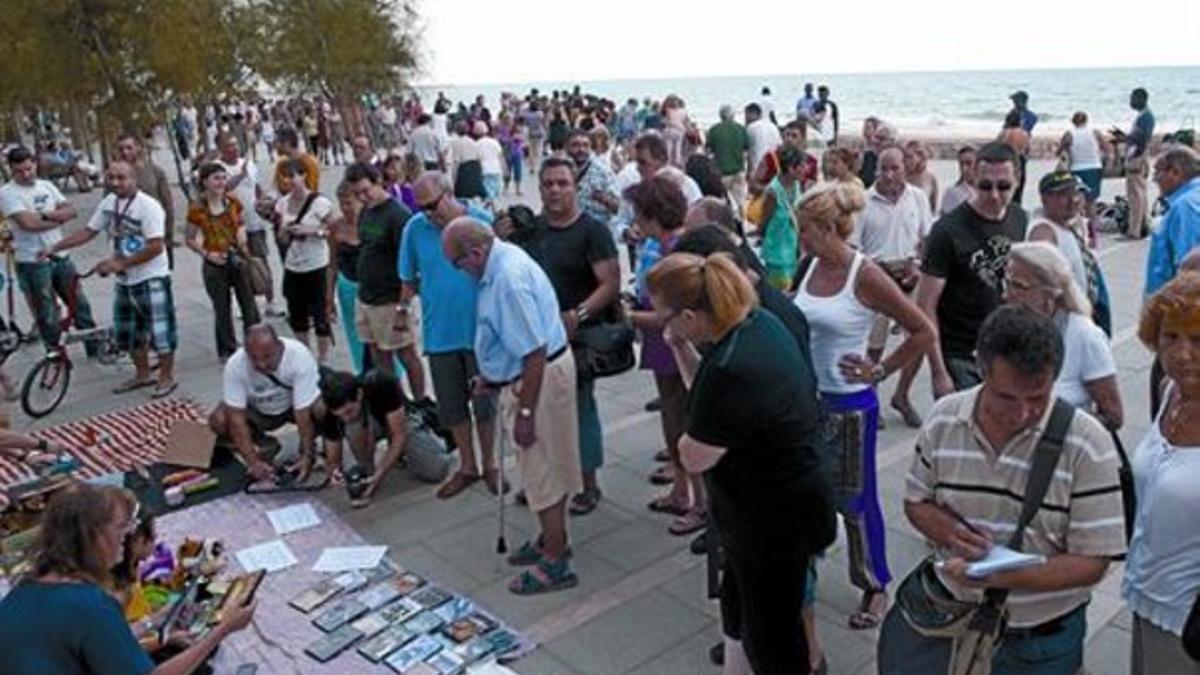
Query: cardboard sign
190, 444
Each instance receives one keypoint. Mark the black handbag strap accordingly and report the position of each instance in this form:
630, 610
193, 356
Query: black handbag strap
1045, 459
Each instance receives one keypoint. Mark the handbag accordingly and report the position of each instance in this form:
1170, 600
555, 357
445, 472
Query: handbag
976, 628
260, 275
603, 350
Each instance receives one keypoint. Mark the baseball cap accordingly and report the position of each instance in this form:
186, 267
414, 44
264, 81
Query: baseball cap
1019, 94
1059, 181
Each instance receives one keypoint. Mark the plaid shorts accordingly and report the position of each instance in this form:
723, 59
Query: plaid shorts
144, 315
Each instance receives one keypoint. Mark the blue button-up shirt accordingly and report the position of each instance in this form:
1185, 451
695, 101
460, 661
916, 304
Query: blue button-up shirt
447, 293
517, 311
1177, 234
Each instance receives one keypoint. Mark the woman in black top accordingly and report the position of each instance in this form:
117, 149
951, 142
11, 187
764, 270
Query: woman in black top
753, 426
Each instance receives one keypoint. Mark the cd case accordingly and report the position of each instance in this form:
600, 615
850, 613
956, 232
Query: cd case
413, 653
329, 646
339, 614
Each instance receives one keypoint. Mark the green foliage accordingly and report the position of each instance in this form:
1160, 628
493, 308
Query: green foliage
127, 59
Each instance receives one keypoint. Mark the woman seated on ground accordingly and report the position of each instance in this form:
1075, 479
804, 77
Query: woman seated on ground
1162, 571
61, 619
1039, 278
365, 410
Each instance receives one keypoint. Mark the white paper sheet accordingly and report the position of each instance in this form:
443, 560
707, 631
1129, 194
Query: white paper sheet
293, 518
271, 556
342, 558
1001, 559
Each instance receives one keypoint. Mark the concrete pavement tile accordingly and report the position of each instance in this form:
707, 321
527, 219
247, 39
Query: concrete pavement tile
606, 518
846, 650
542, 662
636, 544
689, 656
629, 489
629, 635
471, 547
1108, 652
691, 588
448, 573
595, 574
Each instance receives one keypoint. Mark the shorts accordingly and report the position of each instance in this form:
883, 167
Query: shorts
1091, 180
452, 373
144, 316
305, 295
260, 423
384, 326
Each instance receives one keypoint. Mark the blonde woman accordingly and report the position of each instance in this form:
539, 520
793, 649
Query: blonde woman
1039, 278
840, 294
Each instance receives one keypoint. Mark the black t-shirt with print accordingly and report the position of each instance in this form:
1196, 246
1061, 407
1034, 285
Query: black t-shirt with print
770, 492
969, 252
567, 255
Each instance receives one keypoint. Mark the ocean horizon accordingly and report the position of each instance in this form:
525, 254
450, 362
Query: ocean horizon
927, 103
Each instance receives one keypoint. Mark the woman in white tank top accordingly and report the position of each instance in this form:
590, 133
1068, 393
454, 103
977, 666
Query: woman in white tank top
1084, 149
840, 293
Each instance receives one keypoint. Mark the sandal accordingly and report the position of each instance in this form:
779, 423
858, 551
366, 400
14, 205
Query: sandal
585, 502
545, 577
662, 456
132, 385
910, 416
864, 618
458, 482
689, 522
162, 391
665, 504
531, 552
492, 478
337, 477
663, 475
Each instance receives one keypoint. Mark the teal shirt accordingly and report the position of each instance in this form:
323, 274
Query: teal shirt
780, 239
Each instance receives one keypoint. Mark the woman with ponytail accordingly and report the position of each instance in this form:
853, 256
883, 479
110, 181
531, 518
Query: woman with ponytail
753, 429
840, 293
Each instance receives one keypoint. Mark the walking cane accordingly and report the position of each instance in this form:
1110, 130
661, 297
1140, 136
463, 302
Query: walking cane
501, 544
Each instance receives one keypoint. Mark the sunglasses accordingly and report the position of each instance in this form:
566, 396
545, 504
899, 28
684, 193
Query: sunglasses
431, 204
989, 186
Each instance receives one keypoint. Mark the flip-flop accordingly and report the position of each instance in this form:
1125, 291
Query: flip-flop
864, 618
163, 392
133, 385
491, 477
910, 416
585, 502
458, 482
663, 475
688, 523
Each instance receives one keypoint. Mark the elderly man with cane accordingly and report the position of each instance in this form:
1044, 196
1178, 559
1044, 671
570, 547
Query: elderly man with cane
521, 348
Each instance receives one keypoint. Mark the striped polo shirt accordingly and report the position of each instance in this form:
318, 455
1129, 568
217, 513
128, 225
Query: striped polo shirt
955, 466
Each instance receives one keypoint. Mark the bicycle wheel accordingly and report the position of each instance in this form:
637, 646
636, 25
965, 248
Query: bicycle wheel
45, 386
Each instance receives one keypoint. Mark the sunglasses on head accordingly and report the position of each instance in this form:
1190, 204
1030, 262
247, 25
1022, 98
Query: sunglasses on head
989, 186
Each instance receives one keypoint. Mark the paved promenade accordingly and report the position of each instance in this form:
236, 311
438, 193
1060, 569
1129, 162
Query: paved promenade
640, 606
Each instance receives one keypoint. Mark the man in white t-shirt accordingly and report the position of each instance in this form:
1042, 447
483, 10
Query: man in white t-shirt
268, 383
890, 230
37, 211
143, 306
491, 160
762, 134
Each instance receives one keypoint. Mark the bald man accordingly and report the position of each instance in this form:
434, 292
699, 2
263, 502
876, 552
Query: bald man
521, 348
143, 305
268, 383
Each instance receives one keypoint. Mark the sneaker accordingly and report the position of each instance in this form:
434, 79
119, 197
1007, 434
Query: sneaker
273, 311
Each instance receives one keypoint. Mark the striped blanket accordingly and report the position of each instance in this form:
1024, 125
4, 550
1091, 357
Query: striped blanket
115, 441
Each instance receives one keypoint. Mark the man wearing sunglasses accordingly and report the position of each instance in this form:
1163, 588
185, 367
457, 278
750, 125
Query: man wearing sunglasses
963, 264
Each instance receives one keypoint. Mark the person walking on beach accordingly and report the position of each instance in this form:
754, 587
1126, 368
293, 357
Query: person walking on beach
962, 268
762, 136
1014, 136
767, 104
806, 103
1137, 163
964, 189
1027, 119
827, 112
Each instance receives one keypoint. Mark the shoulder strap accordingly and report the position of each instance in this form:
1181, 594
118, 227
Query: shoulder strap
1045, 459
312, 197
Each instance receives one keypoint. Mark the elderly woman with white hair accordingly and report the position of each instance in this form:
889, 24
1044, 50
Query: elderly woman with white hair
1039, 278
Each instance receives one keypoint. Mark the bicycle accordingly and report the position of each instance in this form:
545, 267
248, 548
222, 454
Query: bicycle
46, 383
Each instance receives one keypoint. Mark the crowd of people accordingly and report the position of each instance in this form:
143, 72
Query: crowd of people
769, 272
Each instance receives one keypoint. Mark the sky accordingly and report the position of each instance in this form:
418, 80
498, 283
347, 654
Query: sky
482, 41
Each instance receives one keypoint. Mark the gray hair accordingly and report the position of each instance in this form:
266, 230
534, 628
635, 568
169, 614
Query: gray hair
1183, 158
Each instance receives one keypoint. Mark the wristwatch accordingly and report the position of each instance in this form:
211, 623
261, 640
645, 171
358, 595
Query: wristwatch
525, 413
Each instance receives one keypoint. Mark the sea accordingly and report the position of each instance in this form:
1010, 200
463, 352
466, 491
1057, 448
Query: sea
928, 104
